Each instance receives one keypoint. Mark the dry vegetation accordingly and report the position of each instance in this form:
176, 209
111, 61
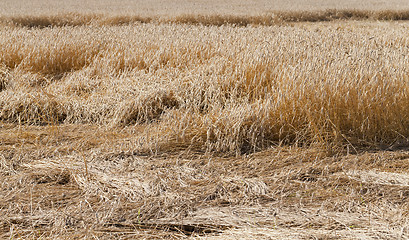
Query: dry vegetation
215, 126
224, 89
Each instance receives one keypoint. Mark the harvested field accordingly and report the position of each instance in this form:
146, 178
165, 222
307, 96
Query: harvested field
76, 182
266, 124
182, 7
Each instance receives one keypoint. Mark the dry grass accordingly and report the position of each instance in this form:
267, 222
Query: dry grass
204, 124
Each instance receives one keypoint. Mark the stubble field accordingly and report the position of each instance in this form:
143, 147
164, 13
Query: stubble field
168, 121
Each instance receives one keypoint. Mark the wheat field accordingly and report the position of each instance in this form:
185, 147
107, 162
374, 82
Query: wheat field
204, 119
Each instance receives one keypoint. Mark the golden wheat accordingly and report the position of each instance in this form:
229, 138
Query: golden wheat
266, 19
121, 119
219, 88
